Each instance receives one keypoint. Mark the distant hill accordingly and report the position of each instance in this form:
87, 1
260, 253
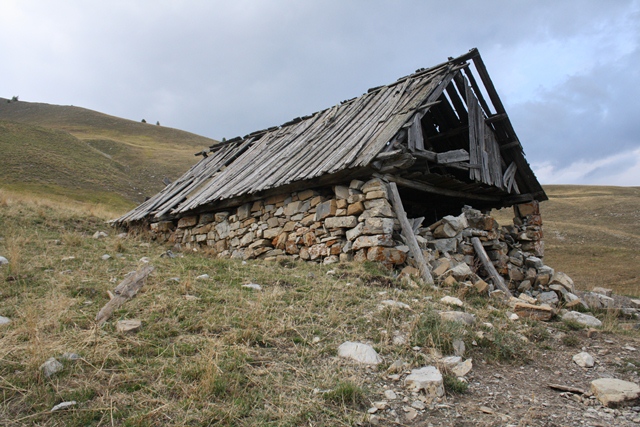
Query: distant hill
592, 234
82, 153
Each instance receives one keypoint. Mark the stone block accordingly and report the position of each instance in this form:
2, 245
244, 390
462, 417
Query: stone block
355, 198
428, 379
271, 233
306, 194
187, 221
244, 211
370, 241
355, 208
221, 216
278, 198
378, 226
373, 185
612, 392
163, 226
537, 312
377, 212
377, 203
386, 255
356, 184
341, 203
377, 194
341, 222
223, 229
341, 192
326, 209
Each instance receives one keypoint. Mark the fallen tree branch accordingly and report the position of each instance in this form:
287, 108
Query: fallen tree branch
124, 291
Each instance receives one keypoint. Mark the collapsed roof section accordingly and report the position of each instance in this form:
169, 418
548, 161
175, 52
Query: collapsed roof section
442, 131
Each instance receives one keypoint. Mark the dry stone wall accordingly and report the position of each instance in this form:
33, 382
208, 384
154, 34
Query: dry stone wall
345, 222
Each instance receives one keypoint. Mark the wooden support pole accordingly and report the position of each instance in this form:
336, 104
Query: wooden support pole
125, 290
410, 237
486, 263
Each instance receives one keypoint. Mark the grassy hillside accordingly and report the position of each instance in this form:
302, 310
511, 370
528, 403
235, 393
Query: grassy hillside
211, 352
593, 234
131, 158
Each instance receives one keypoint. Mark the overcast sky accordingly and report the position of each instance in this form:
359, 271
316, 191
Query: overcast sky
567, 71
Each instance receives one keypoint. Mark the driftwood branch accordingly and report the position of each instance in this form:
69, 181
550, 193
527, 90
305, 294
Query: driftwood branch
410, 237
488, 266
124, 291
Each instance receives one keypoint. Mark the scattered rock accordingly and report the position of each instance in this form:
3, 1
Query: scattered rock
145, 260
458, 347
203, 277
463, 368
51, 367
393, 304
461, 271
596, 300
612, 392
132, 325
419, 405
105, 257
451, 361
4, 320
390, 394
3, 261
428, 379
99, 235
584, 360
550, 298
253, 286
396, 367
602, 291
361, 353
537, 312
583, 319
63, 405
458, 316
449, 300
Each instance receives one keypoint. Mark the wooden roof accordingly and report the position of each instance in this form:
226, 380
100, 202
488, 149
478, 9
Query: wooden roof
332, 144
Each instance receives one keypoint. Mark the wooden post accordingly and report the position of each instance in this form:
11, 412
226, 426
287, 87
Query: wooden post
407, 232
486, 263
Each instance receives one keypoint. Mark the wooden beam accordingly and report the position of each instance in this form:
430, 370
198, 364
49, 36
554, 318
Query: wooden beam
388, 155
509, 145
452, 156
428, 188
427, 155
496, 118
488, 266
410, 237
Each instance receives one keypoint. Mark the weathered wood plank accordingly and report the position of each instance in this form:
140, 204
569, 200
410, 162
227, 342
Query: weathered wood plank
428, 188
452, 156
408, 234
127, 289
488, 266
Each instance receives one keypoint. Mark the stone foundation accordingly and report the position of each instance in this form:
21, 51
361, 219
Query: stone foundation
354, 221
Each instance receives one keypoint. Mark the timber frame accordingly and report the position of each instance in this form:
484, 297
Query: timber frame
442, 135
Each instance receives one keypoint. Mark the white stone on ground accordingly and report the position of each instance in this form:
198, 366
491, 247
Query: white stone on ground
131, 325
202, 277
610, 391
4, 320
105, 257
361, 353
51, 367
99, 234
145, 260
583, 319
449, 300
584, 359
63, 405
458, 316
392, 303
253, 286
428, 379
462, 369
451, 361
3, 260
390, 394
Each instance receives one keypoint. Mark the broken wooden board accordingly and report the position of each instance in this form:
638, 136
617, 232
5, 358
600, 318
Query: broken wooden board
124, 291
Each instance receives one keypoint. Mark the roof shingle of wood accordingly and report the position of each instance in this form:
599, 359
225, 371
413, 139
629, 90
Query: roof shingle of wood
348, 135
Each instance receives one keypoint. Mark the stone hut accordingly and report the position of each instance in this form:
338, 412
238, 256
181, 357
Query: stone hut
379, 177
